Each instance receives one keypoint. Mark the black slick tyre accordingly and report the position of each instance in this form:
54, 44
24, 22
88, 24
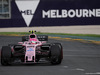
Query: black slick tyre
6, 56
56, 55
24, 38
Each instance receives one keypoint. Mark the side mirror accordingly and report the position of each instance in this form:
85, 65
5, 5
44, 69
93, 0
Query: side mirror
20, 42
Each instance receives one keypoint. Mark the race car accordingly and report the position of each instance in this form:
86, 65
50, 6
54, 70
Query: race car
32, 49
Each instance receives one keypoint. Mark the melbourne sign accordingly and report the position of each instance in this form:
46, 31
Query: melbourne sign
71, 13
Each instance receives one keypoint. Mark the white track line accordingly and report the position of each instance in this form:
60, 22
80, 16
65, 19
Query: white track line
81, 56
97, 73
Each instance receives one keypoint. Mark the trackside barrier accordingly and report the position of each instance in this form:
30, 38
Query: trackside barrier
52, 13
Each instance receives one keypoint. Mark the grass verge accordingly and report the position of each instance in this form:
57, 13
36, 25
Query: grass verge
27, 33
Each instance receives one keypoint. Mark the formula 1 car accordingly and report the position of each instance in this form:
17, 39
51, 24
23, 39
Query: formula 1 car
32, 49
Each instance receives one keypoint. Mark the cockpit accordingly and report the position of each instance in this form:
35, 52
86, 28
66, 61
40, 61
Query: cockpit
32, 36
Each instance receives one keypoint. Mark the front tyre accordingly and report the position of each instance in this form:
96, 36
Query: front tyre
5, 55
56, 54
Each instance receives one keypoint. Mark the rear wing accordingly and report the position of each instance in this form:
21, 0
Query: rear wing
39, 37
42, 37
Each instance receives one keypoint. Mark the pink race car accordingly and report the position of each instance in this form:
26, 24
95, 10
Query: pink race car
32, 49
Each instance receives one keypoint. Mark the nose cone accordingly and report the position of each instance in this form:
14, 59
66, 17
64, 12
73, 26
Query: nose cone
33, 39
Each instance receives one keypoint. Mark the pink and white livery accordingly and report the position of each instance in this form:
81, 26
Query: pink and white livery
31, 50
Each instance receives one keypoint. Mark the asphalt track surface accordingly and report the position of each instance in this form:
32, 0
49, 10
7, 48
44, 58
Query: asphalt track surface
79, 59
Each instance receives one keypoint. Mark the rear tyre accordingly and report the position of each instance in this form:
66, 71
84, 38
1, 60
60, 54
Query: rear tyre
56, 55
6, 56
24, 38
